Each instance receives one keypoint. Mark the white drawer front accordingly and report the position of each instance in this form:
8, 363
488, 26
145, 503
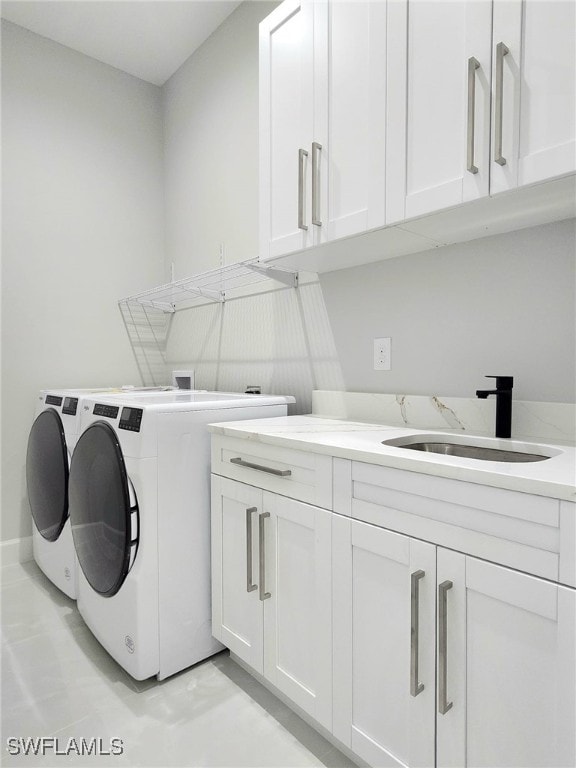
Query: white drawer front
518, 530
297, 474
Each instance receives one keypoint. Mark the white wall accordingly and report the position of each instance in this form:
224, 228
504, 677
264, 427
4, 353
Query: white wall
83, 226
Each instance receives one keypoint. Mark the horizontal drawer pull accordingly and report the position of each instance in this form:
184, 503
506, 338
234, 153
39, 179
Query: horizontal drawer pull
260, 468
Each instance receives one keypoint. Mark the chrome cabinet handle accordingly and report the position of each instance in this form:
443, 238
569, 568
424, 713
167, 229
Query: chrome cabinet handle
250, 587
302, 155
260, 468
443, 704
501, 51
415, 686
473, 65
316, 149
262, 555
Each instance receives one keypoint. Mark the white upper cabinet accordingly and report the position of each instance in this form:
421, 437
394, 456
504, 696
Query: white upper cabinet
383, 115
287, 63
452, 66
534, 92
322, 123
438, 104
356, 88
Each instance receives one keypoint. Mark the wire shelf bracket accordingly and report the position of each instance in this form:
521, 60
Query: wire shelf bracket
273, 273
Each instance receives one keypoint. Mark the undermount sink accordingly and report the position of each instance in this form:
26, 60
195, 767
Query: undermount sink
466, 449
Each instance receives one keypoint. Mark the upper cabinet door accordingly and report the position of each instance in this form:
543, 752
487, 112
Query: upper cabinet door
356, 129
438, 104
286, 128
534, 92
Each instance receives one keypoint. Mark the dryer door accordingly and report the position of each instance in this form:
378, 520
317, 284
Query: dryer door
102, 511
47, 474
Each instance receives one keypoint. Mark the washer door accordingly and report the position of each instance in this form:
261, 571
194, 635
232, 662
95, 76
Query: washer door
102, 511
47, 474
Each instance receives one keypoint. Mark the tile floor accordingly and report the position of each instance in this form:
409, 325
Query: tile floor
58, 681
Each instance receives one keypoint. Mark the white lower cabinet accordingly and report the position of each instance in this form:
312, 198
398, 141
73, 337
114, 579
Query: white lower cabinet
384, 630
271, 590
500, 643
510, 667
409, 652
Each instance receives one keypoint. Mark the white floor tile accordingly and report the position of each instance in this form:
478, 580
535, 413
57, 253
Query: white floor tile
58, 681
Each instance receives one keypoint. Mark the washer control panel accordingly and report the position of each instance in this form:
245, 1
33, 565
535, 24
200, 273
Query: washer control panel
130, 419
70, 406
53, 400
110, 411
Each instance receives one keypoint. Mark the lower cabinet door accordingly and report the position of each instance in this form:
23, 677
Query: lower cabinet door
297, 605
384, 644
237, 613
510, 673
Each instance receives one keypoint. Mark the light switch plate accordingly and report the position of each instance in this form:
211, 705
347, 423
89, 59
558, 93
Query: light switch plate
383, 354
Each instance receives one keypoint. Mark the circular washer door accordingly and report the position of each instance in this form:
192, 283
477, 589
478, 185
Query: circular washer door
100, 509
47, 474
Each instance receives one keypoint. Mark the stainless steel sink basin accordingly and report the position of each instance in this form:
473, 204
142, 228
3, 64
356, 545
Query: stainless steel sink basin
464, 450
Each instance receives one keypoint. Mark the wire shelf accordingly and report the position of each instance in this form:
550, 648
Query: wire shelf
214, 286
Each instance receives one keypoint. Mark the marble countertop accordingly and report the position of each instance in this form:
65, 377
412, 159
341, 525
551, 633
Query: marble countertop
555, 477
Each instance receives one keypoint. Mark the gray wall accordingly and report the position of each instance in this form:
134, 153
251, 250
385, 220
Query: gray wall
501, 305
82, 227
211, 147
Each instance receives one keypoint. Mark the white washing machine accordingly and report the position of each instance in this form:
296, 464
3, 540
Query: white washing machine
140, 514
50, 444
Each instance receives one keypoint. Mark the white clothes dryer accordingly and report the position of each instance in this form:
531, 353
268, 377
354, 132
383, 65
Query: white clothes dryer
50, 445
140, 515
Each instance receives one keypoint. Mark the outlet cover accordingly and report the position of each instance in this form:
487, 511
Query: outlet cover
383, 354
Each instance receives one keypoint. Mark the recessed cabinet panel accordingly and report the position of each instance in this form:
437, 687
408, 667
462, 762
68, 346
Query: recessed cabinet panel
297, 616
236, 610
384, 602
357, 117
534, 92
439, 110
510, 659
286, 127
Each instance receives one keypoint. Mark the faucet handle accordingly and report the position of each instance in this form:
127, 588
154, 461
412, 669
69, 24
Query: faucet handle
503, 382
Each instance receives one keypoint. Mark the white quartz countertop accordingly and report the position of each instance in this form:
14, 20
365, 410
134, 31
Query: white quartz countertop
555, 477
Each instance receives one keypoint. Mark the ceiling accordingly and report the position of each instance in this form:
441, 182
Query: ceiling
149, 39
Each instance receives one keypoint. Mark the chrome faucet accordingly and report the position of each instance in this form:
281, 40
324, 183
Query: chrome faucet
503, 394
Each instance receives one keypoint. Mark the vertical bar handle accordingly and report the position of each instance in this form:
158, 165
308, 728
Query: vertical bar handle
473, 65
415, 686
250, 587
302, 155
262, 554
501, 51
316, 149
443, 704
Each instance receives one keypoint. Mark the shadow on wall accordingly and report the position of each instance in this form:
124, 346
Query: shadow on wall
280, 340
